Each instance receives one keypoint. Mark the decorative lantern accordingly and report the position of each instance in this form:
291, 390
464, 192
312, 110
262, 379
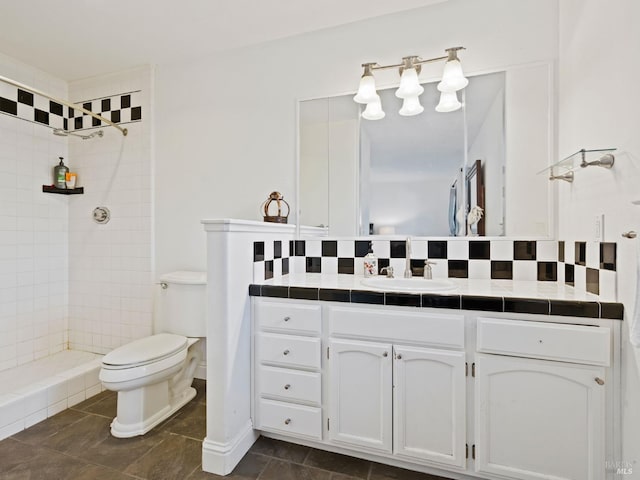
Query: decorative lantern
272, 208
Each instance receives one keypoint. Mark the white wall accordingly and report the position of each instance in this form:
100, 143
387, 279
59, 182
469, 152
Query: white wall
110, 265
33, 227
598, 101
226, 123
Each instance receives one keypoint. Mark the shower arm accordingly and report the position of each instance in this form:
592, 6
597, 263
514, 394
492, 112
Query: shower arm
63, 102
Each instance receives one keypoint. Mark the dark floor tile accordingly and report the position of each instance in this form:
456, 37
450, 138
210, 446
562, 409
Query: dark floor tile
249, 468
52, 425
79, 436
98, 472
13, 453
191, 421
175, 458
201, 390
281, 470
120, 453
41, 464
340, 476
387, 472
107, 405
335, 462
283, 450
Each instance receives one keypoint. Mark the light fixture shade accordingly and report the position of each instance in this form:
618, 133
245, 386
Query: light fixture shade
452, 78
409, 84
448, 102
373, 110
411, 106
367, 90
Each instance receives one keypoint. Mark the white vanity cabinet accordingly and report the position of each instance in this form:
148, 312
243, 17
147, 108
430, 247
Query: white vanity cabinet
537, 418
397, 382
287, 379
492, 396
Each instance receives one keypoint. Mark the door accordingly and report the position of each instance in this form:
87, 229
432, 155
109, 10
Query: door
429, 405
360, 394
538, 419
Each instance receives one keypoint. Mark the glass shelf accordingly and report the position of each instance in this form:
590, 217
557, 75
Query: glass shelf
582, 158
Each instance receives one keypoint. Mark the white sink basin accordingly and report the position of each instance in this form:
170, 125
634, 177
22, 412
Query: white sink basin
414, 285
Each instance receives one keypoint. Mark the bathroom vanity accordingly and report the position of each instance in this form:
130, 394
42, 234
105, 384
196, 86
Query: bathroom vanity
459, 385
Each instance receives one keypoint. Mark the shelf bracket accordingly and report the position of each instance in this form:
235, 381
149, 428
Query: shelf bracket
605, 161
567, 177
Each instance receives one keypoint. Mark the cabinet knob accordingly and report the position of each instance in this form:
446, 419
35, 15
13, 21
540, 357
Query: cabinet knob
399, 356
287, 386
286, 319
286, 352
287, 421
599, 381
384, 354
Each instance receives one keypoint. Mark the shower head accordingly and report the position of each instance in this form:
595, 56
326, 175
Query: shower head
65, 133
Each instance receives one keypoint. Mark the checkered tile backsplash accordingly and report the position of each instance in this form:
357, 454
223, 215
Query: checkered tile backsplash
121, 108
588, 266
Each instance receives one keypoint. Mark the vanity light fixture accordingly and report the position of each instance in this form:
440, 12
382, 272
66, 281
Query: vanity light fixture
410, 89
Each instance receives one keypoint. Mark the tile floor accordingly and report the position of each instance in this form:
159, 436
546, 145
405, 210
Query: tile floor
76, 444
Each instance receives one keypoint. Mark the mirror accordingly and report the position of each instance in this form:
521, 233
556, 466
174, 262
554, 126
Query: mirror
404, 175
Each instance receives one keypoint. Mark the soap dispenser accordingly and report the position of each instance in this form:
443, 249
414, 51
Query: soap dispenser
370, 263
60, 174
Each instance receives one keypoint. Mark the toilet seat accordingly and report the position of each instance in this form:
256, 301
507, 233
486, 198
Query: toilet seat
145, 351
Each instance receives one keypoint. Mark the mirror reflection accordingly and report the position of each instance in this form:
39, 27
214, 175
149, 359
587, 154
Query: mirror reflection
423, 175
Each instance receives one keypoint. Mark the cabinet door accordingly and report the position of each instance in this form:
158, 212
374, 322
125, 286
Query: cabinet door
429, 405
538, 419
360, 398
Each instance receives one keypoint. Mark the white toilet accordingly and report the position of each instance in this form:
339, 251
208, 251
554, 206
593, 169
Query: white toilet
153, 375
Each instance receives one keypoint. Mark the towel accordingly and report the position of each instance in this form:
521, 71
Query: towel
635, 326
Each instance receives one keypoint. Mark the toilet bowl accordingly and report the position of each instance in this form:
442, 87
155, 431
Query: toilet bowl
153, 375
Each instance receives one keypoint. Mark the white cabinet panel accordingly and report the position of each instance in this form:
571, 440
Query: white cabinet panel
289, 317
291, 418
553, 341
538, 419
360, 394
290, 384
289, 350
429, 405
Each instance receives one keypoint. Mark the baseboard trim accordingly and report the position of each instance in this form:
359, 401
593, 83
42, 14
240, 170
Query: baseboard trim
222, 458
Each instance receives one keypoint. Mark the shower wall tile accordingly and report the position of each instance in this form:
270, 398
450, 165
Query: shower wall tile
33, 226
111, 281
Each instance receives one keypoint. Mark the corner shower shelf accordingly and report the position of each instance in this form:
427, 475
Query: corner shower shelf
62, 191
602, 157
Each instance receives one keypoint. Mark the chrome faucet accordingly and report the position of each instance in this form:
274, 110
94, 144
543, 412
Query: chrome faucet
407, 268
428, 272
388, 271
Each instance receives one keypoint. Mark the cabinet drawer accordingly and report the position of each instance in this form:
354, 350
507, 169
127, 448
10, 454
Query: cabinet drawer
289, 350
289, 317
440, 330
290, 384
291, 418
553, 341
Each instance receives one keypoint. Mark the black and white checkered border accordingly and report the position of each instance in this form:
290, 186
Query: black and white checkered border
121, 108
541, 260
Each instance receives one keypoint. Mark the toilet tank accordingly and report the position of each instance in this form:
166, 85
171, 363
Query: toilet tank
182, 303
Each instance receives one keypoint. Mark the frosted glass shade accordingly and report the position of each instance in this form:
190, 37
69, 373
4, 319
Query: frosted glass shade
452, 78
448, 102
411, 106
409, 84
373, 110
367, 90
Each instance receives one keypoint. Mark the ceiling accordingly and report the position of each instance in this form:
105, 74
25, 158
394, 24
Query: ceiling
76, 39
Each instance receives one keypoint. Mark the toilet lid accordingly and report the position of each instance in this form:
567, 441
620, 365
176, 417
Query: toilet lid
146, 350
